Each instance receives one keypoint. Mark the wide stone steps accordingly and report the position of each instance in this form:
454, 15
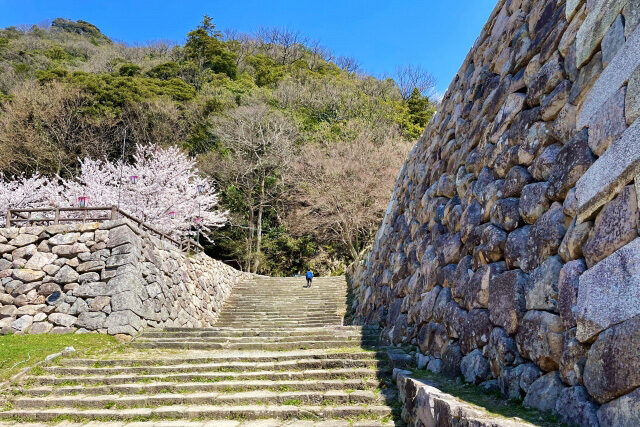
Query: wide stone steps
278, 354
204, 345
333, 397
298, 364
192, 387
180, 412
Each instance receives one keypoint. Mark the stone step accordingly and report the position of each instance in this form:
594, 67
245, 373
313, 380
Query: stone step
276, 330
310, 374
179, 412
298, 364
192, 387
237, 338
226, 339
328, 397
248, 345
299, 332
224, 357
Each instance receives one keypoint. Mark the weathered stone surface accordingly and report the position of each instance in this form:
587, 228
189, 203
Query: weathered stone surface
530, 373
70, 250
123, 322
509, 382
62, 319
27, 275
23, 239
572, 161
574, 357
475, 291
568, 284
548, 77
542, 287
505, 215
507, 299
542, 167
544, 392
600, 17
613, 40
545, 237
534, 202
39, 260
475, 331
451, 361
90, 266
615, 226
539, 339
610, 173
575, 408
608, 124
623, 411
555, 101
609, 292
613, 367
572, 243
64, 239
613, 77
120, 236
91, 320
23, 323
515, 249
40, 328
632, 99
475, 367
66, 274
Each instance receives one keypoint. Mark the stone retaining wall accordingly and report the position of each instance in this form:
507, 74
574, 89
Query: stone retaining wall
108, 277
509, 252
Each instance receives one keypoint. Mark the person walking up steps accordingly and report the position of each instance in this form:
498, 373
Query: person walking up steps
309, 276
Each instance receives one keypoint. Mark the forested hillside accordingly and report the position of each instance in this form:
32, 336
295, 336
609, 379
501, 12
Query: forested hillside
303, 147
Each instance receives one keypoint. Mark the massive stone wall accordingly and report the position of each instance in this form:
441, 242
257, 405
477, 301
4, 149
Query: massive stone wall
108, 277
509, 252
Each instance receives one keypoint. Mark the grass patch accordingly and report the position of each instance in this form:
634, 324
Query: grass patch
493, 403
20, 351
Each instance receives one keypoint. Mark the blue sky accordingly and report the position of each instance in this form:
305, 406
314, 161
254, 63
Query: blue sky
381, 35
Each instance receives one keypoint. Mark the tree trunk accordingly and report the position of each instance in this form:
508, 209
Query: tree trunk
259, 226
249, 254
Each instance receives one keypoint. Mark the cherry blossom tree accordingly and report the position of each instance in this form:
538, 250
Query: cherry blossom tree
161, 187
23, 192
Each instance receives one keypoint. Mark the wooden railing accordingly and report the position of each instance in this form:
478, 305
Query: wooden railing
54, 216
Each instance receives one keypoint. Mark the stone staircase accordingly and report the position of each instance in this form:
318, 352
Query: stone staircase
278, 355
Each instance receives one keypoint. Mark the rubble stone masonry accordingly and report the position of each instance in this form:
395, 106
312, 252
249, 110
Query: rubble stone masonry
509, 253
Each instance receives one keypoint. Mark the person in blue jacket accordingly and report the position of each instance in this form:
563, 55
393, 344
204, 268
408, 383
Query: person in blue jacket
309, 276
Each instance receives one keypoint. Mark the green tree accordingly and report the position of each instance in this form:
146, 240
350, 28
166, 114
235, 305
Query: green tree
205, 47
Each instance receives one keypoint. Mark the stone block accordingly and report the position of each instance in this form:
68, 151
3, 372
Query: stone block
632, 98
615, 226
613, 367
534, 201
91, 320
572, 161
574, 407
623, 411
545, 237
599, 19
609, 292
27, 275
568, 284
544, 392
614, 76
507, 299
475, 367
574, 357
64, 239
542, 287
539, 339
612, 41
39, 260
62, 319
